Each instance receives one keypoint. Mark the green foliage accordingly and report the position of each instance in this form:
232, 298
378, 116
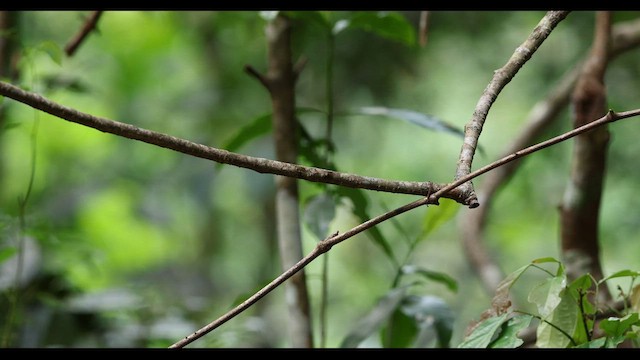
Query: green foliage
565, 312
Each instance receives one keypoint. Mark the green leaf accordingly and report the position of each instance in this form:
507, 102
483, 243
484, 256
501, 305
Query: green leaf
414, 117
436, 216
10, 125
484, 333
360, 209
587, 311
310, 17
545, 260
615, 327
564, 316
377, 316
593, 344
432, 316
390, 25
258, 127
52, 49
319, 211
400, 332
508, 337
547, 295
622, 273
7, 253
436, 276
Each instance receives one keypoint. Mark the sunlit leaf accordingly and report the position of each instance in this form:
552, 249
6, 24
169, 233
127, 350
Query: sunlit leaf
508, 337
436, 216
319, 211
586, 312
436, 276
547, 295
564, 316
484, 333
390, 25
373, 321
622, 273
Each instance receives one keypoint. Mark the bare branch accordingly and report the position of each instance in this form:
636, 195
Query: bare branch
87, 28
326, 244
260, 165
500, 79
625, 37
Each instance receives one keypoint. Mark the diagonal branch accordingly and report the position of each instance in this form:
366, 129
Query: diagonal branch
625, 37
326, 244
260, 165
87, 28
501, 78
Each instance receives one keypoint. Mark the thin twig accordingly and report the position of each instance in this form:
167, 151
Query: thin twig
87, 28
260, 165
501, 78
326, 244
424, 27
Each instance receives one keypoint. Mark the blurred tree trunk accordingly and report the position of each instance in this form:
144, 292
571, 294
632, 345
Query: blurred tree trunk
281, 83
580, 207
8, 55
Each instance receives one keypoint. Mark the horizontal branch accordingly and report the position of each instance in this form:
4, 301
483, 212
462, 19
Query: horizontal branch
260, 165
326, 244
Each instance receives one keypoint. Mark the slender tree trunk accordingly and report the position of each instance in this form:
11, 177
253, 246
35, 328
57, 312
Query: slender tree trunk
580, 208
281, 80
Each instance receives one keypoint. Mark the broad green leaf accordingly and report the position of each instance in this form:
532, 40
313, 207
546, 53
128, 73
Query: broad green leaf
7, 253
439, 215
319, 211
373, 321
390, 25
615, 327
436, 276
508, 337
564, 317
622, 273
360, 209
547, 295
432, 316
484, 333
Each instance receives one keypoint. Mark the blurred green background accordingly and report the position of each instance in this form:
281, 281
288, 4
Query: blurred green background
132, 245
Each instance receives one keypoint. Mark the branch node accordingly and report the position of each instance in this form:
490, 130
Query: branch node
253, 72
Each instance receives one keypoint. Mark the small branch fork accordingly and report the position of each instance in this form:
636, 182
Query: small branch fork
500, 79
326, 244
